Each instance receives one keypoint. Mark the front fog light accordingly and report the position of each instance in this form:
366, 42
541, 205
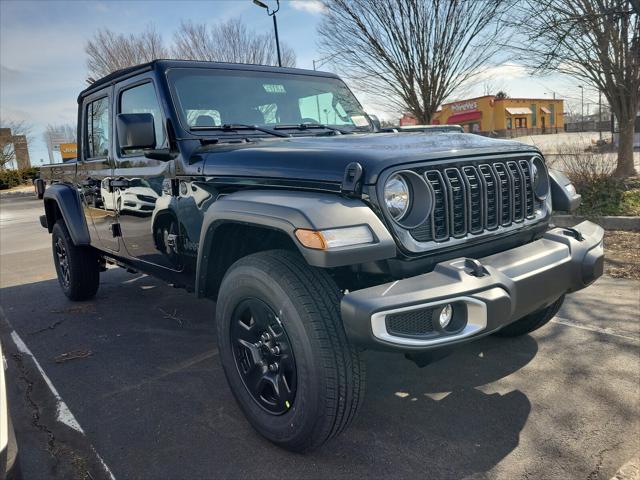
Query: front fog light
446, 314
335, 237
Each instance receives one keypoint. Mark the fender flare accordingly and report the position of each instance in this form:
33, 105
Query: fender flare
288, 211
69, 205
562, 199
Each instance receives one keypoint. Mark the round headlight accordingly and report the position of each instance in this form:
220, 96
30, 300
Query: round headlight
539, 178
397, 196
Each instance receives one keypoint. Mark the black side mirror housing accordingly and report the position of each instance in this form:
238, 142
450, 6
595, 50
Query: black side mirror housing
136, 131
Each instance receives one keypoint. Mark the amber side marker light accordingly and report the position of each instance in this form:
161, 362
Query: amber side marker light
335, 237
311, 239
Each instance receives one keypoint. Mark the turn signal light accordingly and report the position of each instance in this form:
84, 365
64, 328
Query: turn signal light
311, 239
334, 237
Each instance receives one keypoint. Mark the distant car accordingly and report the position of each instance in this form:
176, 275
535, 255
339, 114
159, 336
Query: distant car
425, 129
8, 445
138, 196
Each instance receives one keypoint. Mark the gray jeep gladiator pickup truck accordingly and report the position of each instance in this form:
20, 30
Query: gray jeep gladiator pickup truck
270, 191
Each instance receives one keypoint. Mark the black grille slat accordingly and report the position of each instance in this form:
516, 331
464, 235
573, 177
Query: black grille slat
525, 167
506, 187
519, 194
491, 195
475, 199
458, 202
414, 323
440, 217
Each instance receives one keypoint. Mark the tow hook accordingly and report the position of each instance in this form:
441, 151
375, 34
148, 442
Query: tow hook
572, 232
474, 268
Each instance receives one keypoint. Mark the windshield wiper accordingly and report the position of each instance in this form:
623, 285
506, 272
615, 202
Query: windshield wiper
229, 127
306, 126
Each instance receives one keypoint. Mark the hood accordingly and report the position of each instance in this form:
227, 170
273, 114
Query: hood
325, 158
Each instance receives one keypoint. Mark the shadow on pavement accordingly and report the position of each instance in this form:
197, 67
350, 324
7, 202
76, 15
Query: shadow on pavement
153, 400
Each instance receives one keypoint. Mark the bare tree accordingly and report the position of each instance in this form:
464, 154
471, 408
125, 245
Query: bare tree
229, 41
595, 41
108, 51
10, 130
414, 52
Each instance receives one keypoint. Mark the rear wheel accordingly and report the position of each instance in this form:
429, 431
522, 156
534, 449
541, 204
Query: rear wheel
78, 268
531, 322
284, 350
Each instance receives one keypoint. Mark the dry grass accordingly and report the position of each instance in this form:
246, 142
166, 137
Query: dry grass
622, 254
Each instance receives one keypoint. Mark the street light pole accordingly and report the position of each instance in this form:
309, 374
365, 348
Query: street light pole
272, 13
582, 108
600, 113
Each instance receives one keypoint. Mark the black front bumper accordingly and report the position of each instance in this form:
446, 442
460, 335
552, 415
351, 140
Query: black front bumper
499, 290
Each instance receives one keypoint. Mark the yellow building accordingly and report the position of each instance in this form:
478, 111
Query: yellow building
504, 117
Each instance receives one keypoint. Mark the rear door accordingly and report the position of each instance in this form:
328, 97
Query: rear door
146, 203
95, 167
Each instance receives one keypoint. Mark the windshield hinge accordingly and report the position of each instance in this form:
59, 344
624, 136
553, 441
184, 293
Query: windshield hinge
351, 182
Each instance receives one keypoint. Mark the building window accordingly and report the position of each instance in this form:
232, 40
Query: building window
521, 122
509, 123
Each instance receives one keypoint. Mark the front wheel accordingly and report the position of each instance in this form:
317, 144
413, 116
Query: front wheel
531, 322
78, 268
284, 350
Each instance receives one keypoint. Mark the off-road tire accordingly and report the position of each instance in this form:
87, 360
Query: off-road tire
83, 277
532, 321
330, 372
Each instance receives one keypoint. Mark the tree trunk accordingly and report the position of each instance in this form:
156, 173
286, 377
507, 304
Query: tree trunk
625, 167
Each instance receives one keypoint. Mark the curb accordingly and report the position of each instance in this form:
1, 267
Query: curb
607, 222
16, 194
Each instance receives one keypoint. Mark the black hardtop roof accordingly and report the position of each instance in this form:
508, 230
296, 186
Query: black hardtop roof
162, 65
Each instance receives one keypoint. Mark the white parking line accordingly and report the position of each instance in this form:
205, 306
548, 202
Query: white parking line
570, 323
64, 415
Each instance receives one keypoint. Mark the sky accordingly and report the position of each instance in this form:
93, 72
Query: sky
43, 64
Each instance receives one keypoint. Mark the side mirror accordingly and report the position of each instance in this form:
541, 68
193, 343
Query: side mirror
136, 131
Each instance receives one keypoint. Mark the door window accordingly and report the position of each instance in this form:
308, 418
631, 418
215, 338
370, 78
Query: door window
142, 99
98, 128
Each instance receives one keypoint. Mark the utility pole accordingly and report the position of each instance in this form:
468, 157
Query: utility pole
600, 114
272, 13
582, 108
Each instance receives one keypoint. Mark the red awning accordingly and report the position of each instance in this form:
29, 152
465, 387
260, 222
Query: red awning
464, 117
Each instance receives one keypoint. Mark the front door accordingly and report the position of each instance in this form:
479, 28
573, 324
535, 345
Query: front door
95, 165
145, 193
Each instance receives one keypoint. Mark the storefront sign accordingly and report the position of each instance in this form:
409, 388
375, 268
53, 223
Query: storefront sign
464, 106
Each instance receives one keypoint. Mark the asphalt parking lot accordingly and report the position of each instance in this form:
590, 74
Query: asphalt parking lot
146, 396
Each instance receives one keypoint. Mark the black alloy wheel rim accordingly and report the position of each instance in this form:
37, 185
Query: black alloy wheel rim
263, 356
63, 261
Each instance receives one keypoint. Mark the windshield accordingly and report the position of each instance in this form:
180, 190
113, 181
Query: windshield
211, 98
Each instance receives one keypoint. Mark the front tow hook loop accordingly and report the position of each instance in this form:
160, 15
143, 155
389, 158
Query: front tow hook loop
572, 232
477, 270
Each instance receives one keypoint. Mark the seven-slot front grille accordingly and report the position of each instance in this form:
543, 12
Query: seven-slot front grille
473, 199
